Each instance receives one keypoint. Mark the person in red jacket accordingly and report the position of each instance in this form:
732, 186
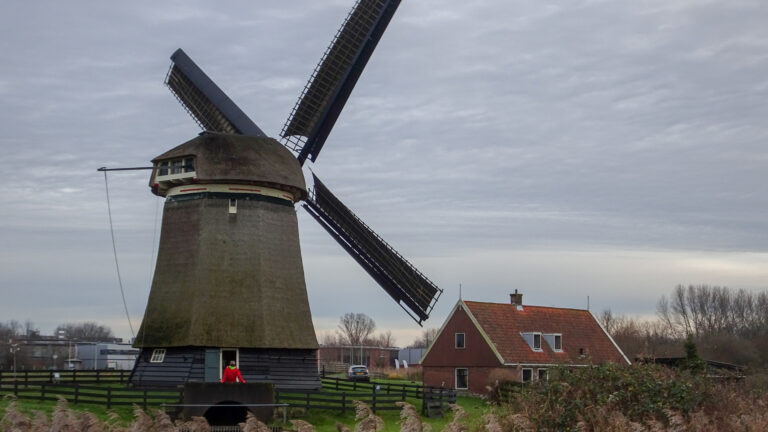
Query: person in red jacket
231, 374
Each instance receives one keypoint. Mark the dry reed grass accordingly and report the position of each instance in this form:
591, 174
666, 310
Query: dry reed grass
411, 419
252, 424
367, 421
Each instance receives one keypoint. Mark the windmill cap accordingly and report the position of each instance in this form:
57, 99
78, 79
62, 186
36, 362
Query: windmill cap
238, 159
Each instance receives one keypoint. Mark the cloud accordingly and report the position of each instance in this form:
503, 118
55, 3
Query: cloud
558, 136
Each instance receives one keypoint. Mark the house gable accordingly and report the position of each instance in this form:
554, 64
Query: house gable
476, 352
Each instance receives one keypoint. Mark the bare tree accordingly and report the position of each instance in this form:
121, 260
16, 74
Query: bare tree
383, 339
87, 331
427, 337
356, 327
330, 339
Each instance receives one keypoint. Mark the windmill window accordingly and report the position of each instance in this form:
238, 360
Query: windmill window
233, 206
462, 378
460, 340
163, 168
158, 355
189, 165
176, 166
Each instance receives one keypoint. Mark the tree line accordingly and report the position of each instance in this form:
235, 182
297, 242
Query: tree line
729, 325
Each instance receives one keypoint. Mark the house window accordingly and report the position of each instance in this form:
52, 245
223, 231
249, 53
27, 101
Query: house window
158, 355
460, 342
533, 339
543, 375
462, 378
558, 342
527, 375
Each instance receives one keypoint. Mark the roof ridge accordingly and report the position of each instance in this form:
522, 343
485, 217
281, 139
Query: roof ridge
526, 305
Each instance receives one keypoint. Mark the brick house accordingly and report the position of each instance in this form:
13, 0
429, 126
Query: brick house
481, 343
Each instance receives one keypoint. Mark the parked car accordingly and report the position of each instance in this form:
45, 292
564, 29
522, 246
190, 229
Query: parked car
358, 373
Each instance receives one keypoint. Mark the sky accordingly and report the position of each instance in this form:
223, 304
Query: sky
607, 150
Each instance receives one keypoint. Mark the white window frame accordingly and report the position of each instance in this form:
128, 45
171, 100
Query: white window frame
222, 366
456, 379
463, 340
522, 375
554, 345
177, 168
158, 355
533, 344
546, 374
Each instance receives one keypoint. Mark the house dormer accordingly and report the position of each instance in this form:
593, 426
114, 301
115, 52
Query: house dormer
533, 339
554, 340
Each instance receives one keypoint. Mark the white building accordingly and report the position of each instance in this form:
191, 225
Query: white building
98, 355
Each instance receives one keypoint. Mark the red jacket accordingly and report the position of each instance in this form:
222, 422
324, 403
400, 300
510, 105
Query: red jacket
231, 375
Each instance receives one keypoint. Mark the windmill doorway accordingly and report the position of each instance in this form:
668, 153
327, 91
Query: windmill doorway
227, 355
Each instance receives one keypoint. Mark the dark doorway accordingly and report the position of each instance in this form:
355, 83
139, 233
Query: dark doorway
228, 413
228, 355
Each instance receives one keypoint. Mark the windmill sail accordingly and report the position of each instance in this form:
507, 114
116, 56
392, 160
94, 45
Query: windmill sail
335, 76
399, 278
212, 109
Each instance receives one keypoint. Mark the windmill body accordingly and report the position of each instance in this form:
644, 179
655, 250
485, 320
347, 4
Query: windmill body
229, 281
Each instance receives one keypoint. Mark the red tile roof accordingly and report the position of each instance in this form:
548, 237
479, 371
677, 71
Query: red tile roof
503, 323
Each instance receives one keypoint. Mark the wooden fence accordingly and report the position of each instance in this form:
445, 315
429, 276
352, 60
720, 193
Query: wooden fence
337, 394
96, 395
338, 401
410, 390
67, 376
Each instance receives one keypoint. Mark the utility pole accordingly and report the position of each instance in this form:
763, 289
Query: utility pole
14, 349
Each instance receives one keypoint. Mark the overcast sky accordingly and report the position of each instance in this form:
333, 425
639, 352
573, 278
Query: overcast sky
565, 149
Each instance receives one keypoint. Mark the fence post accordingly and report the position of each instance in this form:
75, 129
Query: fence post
374, 402
42, 391
26, 378
145, 399
98, 376
307, 401
343, 403
109, 397
403, 394
15, 388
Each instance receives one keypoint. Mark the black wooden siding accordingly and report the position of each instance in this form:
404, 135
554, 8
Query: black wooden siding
287, 369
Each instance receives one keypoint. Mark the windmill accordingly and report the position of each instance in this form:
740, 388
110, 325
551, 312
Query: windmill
229, 281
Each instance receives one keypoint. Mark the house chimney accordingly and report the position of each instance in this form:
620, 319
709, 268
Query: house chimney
516, 299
